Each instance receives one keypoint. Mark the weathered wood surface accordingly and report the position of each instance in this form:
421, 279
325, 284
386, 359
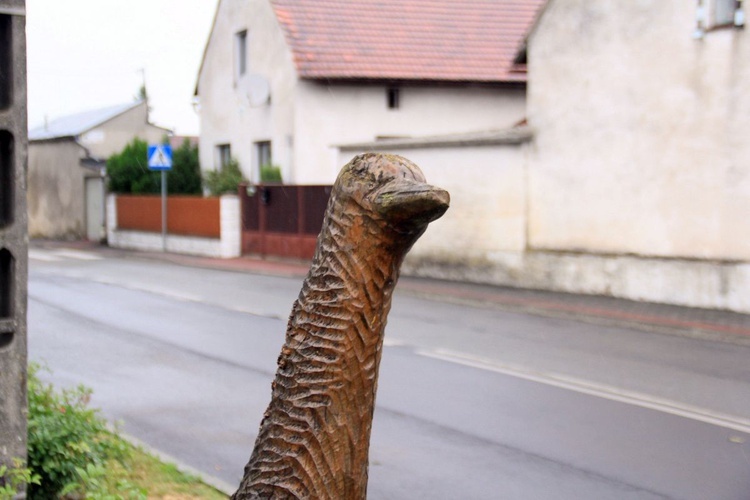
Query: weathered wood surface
314, 438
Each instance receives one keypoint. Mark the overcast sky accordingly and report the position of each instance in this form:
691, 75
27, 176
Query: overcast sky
88, 54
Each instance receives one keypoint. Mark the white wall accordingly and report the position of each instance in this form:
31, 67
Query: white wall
328, 115
484, 227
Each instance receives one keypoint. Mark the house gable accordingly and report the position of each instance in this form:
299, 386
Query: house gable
233, 116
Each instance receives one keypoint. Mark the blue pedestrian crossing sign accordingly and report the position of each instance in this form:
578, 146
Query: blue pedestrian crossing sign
160, 157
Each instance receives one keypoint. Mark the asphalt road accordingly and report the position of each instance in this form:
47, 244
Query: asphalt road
472, 402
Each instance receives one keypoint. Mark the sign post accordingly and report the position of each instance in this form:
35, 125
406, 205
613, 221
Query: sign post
160, 158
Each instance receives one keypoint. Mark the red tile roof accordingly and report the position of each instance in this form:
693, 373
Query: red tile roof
437, 40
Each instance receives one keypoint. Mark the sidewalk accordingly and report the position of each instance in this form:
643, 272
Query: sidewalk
708, 324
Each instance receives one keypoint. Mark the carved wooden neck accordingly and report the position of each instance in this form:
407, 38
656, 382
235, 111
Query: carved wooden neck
314, 438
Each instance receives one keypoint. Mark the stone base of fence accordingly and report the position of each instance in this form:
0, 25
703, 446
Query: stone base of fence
226, 246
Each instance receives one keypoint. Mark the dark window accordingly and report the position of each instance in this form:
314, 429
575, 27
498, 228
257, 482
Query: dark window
393, 97
263, 152
241, 52
224, 153
723, 12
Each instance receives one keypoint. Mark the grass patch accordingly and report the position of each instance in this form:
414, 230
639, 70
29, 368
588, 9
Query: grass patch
159, 479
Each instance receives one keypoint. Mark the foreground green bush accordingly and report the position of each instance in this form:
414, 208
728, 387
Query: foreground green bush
73, 456
14, 478
68, 443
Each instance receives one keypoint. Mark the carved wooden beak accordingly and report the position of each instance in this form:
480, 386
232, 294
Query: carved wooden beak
406, 201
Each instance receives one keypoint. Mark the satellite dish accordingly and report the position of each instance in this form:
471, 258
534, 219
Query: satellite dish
254, 89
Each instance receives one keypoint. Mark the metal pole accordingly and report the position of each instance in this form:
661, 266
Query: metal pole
164, 210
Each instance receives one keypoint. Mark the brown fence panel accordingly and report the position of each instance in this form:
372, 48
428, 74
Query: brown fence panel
194, 216
282, 220
139, 213
250, 209
186, 215
282, 208
314, 204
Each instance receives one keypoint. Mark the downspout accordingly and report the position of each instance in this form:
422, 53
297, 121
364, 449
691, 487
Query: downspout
700, 21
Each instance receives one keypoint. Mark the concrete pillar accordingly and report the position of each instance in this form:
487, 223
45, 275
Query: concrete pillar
231, 230
13, 223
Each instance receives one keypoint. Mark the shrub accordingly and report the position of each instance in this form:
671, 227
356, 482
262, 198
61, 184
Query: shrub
67, 441
225, 180
270, 173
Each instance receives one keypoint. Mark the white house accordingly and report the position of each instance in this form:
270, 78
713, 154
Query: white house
624, 171
287, 81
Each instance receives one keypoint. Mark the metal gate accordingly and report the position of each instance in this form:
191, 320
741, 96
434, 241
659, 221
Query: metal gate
281, 220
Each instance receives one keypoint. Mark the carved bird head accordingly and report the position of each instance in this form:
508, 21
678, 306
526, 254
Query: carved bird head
393, 189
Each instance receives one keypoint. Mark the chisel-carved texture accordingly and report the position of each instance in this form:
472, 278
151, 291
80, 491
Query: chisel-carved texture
314, 438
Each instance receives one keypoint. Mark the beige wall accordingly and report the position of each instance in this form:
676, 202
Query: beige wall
639, 171
641, 132
55, 193
112, 136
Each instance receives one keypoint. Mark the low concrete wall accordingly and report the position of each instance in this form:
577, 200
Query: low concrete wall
484, 237
225, 246
694, 283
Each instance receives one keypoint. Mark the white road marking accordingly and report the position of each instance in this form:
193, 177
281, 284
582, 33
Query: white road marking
60, 255
42, 255
387, 342
77, 254
594, 389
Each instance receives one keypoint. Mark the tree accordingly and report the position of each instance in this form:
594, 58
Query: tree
128, 170
185, 176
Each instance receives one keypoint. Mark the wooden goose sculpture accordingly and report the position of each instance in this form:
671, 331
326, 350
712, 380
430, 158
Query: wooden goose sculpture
315, 435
